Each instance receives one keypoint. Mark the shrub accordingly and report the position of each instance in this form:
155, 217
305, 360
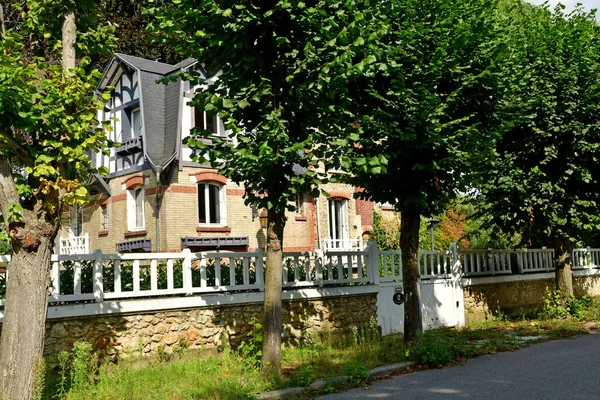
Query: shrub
442, 346
574, 307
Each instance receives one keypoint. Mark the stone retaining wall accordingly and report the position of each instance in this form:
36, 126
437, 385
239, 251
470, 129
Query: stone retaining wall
518, 298
148, 334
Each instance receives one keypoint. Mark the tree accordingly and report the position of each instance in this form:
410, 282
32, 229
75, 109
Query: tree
542, 182
47, 127
269, 57
426, 102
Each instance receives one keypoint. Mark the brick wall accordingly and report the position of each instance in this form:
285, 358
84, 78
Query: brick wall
364, 208
179, 217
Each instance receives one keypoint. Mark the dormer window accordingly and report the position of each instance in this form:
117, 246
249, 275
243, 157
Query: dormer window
136, 122
132, 123
207, 121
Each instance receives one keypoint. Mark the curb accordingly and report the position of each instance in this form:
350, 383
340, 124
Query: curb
321, 384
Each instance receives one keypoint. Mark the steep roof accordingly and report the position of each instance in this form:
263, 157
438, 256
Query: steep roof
159, 103
148, 65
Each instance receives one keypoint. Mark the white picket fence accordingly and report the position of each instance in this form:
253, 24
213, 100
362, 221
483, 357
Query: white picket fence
587, 258
97, 277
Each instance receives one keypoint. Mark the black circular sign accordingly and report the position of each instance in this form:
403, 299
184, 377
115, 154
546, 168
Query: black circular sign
398, 298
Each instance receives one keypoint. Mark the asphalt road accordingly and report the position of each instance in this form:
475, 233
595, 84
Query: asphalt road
561, 369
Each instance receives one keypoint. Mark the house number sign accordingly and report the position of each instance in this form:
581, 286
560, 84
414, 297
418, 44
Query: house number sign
398, 298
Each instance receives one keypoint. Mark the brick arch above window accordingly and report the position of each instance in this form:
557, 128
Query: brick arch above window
209, 176
340, 195
133, 181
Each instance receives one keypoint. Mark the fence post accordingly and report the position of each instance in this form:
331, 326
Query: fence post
373, 261
260, 270
187, 271
98, 281
520, 261
319, 267
456, 268
55, 277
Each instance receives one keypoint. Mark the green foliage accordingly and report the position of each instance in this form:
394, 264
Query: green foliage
386, 230
443, 346
48, 125
63, 380
251, 350
279, 64
77, 371
435, 350
541, 181
428, 104
84, 367
555, 306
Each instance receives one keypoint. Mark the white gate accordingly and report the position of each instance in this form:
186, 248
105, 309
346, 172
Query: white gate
441, 290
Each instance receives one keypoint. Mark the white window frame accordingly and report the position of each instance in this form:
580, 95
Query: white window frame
337, 210
222, 203
136, 208
218, 128
136, 131
299, 204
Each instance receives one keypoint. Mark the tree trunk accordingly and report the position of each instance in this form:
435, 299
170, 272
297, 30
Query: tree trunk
409, 244
22, 340
272, 327
69, 35
563, 274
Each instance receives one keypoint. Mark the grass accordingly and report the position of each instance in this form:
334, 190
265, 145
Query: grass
190, 375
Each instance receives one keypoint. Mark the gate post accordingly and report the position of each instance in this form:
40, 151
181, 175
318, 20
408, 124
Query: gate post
373, 261
457, 274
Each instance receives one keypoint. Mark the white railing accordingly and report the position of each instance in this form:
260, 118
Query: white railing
432, 264
346, 267
486, 262
535, 260
74, 245
98, 277
586, 258
343, 244
301, 269
390, 265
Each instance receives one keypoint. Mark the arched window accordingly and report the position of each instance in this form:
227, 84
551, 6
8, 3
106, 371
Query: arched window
212, 208
136, 214
338, 223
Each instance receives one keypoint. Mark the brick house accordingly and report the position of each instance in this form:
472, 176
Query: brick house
155, 198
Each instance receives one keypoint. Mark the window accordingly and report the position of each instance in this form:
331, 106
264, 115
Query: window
104, 218
136, 123
131, 124
338, 223
206, 121
136, 209
211, 204
76, 224
299, 204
